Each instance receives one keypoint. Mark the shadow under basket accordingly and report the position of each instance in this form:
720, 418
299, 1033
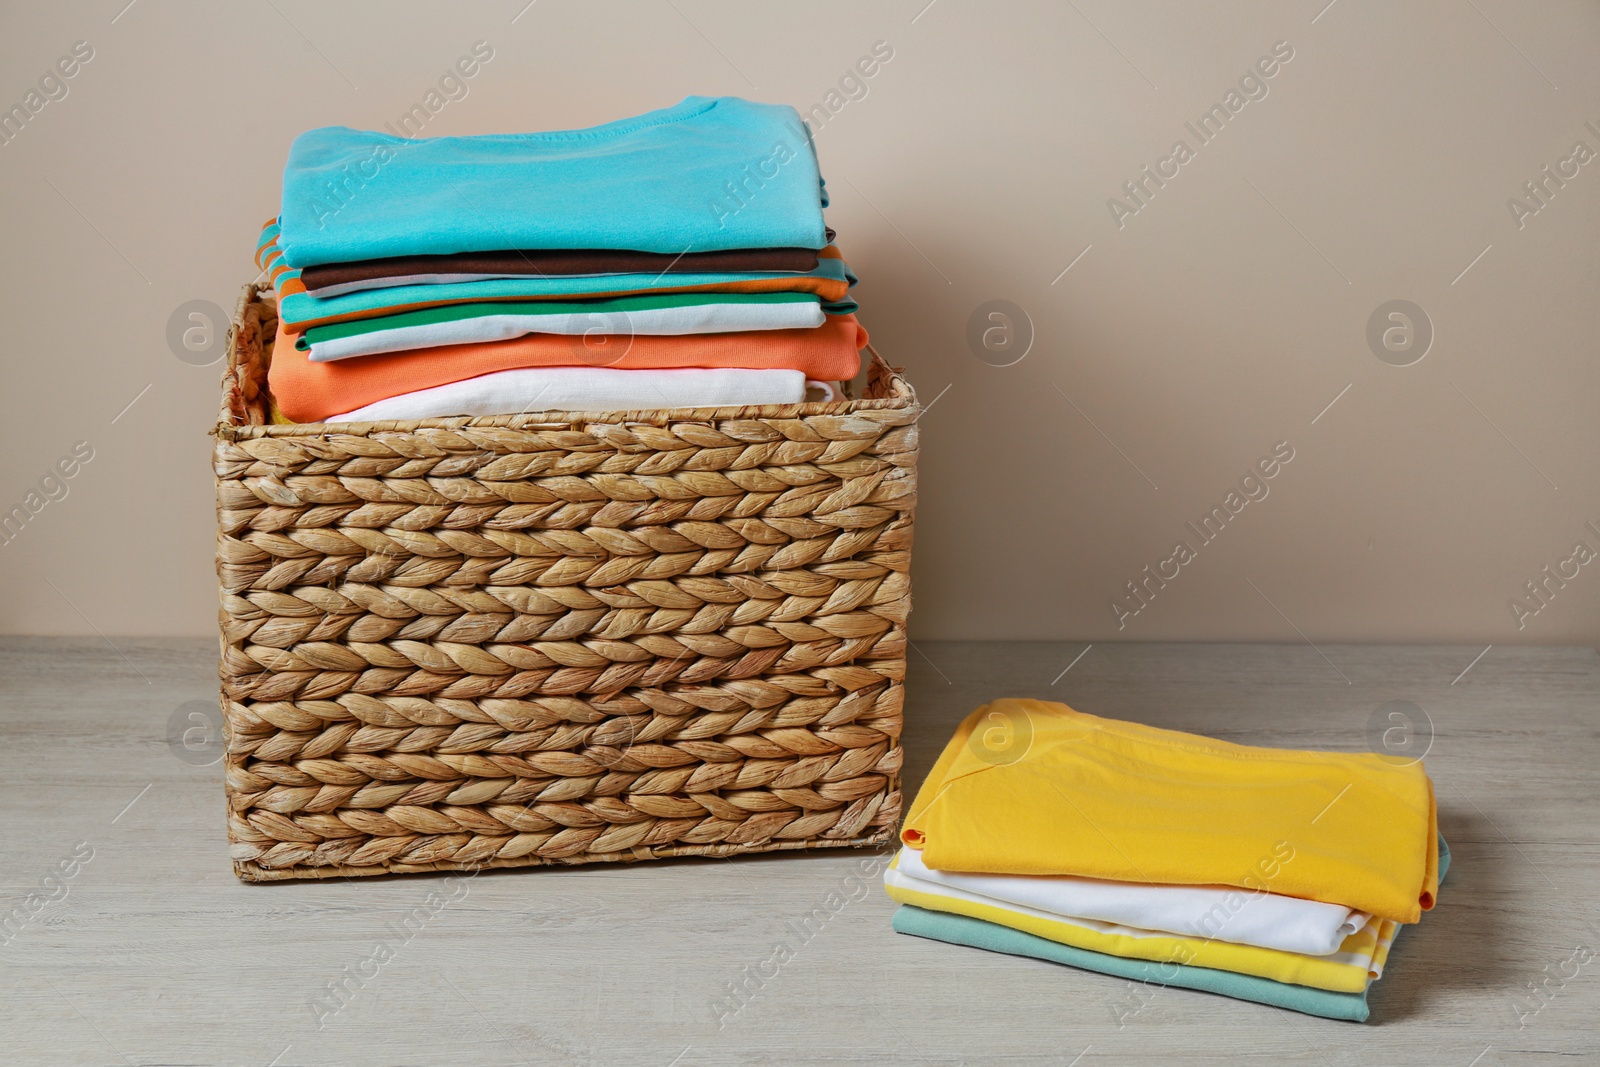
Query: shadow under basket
559, 637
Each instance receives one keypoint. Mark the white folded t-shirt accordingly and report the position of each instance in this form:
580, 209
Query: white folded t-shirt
1220, 913
511, 392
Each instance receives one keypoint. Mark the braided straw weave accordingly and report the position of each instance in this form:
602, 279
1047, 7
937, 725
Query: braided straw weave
559, 637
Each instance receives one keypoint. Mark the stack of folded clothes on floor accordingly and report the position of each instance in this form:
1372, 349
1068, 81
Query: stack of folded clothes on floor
675, 259
1166, 858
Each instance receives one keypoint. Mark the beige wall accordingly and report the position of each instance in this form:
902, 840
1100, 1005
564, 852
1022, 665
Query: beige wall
1185, 342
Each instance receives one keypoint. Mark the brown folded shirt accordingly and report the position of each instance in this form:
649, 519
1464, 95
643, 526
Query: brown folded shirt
373, 273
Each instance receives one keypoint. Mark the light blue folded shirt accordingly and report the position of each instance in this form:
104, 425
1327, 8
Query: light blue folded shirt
709, 174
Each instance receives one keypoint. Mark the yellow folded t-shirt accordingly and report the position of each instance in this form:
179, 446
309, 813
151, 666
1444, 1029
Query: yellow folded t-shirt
1033, 787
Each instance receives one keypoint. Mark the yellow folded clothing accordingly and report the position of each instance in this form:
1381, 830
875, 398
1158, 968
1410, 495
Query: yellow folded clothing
1360, 958
1033, 787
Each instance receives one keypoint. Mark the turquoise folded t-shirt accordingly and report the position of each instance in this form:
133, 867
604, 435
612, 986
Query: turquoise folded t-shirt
976, 933
301, 310
708, 174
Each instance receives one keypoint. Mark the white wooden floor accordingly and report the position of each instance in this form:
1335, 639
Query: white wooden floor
150, 952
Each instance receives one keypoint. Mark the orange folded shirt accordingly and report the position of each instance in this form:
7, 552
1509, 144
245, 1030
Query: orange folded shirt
313, 392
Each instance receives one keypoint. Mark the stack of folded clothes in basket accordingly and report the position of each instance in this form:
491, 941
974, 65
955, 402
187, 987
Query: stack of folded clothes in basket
675, 259
1169, 859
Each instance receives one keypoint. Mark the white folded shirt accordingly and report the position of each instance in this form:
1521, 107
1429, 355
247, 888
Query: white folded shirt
690, 318
511, 392
1220, 913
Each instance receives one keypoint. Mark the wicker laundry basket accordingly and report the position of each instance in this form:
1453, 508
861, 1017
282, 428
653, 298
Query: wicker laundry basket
559, 637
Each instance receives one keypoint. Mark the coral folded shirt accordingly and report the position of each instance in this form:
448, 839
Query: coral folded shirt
1033, 787
313, 392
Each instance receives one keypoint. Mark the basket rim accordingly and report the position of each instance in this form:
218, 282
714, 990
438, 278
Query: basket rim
903, 398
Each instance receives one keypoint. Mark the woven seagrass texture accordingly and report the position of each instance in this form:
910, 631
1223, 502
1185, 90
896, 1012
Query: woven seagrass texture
559, 637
